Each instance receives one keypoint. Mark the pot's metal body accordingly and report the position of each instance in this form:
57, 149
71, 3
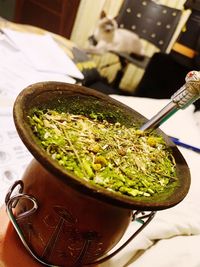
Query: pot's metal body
75, 222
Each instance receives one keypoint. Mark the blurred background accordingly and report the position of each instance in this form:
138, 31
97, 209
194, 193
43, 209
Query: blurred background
77, 20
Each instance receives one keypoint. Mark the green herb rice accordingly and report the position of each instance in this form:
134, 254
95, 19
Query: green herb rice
121, 159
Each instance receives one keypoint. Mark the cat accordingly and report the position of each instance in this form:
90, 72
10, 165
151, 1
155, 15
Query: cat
109, 37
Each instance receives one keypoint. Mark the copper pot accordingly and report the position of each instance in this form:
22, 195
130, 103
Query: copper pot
76, 223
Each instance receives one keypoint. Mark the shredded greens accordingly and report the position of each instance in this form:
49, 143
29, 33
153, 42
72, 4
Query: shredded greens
111, 155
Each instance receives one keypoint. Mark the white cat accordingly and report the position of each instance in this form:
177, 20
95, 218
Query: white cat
108, 37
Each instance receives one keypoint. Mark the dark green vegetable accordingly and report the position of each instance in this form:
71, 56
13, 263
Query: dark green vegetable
121, 159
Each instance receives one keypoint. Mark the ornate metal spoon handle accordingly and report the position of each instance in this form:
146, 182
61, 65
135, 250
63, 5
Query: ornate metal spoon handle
185, 96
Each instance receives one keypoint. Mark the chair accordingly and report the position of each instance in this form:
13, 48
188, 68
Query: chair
92, 77
166, 73
154, 23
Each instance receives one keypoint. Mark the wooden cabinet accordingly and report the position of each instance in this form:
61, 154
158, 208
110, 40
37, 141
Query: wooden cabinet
57, 16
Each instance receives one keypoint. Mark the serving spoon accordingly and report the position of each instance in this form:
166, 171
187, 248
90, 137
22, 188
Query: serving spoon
181, 99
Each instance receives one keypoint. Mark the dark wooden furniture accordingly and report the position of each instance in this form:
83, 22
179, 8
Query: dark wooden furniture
57, 16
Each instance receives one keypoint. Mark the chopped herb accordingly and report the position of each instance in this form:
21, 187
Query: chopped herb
111, 155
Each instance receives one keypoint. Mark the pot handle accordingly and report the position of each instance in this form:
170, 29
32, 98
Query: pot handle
11, 202
140, 216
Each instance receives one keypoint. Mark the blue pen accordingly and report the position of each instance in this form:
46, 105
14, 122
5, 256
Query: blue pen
182, 144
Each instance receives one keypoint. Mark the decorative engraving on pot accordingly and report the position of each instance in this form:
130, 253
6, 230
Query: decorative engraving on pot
65, 218
88, 248
81, 246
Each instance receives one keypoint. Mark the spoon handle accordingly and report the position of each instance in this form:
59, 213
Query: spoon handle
181, 99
